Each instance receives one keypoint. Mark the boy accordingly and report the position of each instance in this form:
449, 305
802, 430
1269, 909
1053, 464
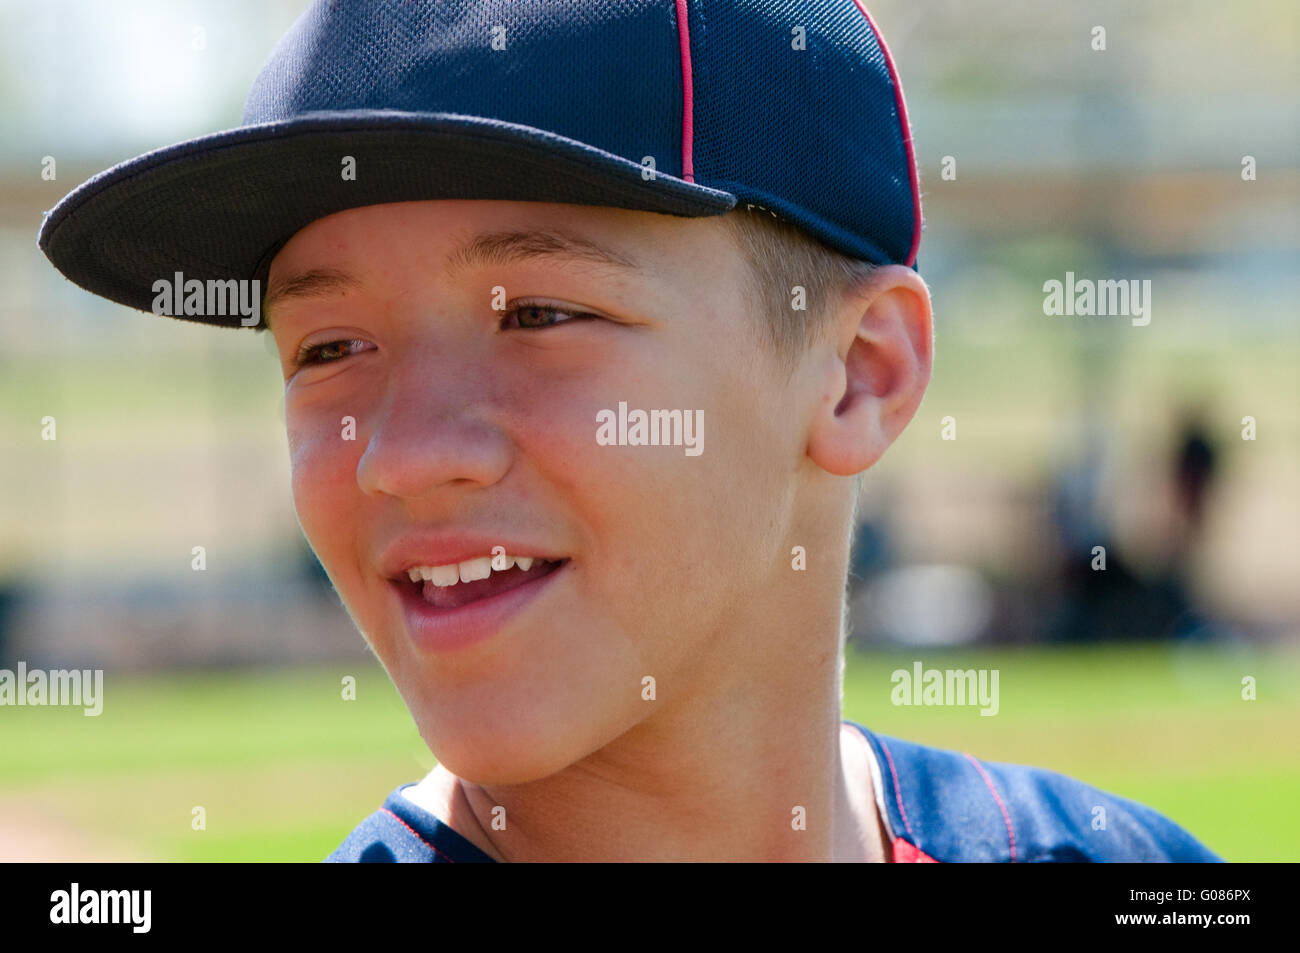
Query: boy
588, 313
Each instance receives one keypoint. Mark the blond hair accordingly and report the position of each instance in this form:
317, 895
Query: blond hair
782, 258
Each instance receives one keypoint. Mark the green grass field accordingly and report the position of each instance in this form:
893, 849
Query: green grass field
284, 767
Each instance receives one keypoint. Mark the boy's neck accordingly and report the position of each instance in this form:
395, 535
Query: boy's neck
740, 809
857, 835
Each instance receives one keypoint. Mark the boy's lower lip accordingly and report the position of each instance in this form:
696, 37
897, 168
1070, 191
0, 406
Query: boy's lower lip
443, 630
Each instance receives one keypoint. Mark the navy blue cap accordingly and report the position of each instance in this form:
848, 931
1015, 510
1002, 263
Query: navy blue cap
683, 107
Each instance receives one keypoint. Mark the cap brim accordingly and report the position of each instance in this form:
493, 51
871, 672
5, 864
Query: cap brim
221, 206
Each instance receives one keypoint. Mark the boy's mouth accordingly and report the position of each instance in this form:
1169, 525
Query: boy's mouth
456, 585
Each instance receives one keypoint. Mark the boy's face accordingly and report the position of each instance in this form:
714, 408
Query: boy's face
468, 420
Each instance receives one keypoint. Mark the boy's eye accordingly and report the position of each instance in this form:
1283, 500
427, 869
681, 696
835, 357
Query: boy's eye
527, 316
326, 353
523, 316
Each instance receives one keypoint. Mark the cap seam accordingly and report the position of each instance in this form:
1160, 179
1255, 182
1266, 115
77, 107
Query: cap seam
909, 150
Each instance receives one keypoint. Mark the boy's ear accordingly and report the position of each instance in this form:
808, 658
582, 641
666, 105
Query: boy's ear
873, 371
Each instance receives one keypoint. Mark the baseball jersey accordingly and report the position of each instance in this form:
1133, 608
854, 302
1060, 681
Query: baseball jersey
938, 806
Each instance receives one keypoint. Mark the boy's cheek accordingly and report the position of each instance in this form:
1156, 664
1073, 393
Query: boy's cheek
323, 481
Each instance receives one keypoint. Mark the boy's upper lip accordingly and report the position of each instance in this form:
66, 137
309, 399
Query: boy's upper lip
444, 548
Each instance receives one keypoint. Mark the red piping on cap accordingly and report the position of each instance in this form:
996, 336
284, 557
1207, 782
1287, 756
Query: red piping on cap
688, 95
907, 136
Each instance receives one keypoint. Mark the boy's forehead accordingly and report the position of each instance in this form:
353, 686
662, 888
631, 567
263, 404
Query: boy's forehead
463, 233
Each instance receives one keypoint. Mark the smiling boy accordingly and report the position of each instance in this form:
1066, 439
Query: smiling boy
651, 563
483, 227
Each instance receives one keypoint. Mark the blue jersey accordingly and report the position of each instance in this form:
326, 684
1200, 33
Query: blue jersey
938, 806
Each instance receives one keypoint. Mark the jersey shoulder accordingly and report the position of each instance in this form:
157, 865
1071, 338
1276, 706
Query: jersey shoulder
403, 832
948, 806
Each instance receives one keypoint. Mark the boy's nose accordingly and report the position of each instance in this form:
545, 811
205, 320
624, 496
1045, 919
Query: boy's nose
434, 431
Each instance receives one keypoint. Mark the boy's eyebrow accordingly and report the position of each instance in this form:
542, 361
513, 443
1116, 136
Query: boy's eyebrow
313, 283
510, 246
492, 248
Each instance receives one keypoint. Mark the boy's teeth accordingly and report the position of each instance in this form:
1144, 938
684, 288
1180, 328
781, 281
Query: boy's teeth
467, 571
472, 569
444, 575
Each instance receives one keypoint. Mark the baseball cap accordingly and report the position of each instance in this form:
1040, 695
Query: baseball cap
682, 107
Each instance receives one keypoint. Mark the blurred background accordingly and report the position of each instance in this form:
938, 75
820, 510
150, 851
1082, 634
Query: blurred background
1173, 155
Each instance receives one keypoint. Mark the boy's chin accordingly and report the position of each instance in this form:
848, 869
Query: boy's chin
491, 756
497, 771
